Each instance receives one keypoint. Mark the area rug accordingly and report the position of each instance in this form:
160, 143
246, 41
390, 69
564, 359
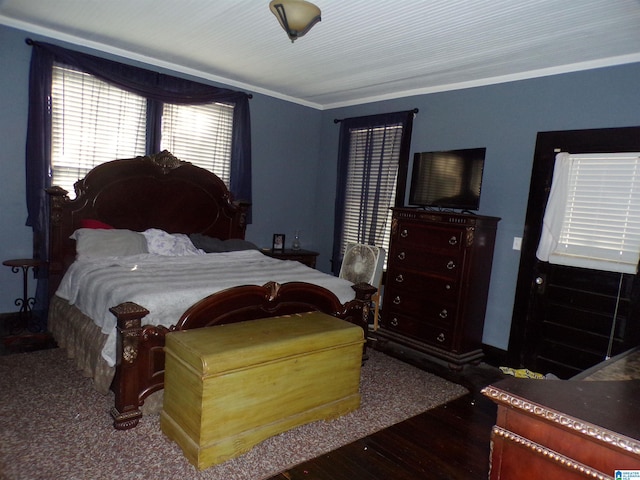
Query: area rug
54, 425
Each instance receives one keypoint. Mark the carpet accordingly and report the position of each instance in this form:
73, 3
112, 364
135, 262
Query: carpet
54, 425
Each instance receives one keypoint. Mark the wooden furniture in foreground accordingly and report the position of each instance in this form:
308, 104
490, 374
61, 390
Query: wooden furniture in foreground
566, 429
306, 257
438, 275
161, 191
229, 388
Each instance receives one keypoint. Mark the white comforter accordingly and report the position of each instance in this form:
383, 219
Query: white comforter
167, 286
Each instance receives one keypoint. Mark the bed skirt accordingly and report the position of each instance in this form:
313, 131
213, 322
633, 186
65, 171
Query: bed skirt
84, 340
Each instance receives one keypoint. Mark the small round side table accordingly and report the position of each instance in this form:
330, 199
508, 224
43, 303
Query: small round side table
25, 314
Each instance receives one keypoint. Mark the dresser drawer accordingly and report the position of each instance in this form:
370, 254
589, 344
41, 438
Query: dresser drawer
423, 331
425, 307
447, 264
429, 236
442, 289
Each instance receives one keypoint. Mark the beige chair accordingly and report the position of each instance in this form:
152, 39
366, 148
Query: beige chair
364, 264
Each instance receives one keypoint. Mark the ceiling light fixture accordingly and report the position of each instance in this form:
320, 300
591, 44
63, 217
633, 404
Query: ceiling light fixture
295, 16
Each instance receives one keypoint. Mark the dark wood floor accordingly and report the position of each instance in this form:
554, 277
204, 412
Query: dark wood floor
449, 442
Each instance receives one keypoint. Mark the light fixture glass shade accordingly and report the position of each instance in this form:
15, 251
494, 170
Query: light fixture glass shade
295, 16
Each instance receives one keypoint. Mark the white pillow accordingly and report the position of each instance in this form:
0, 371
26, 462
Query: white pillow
160, 242
94, 243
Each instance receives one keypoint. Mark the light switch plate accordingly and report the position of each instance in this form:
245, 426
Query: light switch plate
517, 243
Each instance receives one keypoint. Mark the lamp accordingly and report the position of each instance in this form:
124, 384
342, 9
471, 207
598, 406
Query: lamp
295, 16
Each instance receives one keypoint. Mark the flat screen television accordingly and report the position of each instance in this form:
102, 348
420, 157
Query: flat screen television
449, 179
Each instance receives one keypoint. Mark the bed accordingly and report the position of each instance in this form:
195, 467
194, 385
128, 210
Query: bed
119, 341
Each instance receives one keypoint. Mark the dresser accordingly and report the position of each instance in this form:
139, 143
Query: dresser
438, 274
582, 428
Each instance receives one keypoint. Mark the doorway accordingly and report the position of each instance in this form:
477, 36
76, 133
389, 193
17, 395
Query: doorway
567, 319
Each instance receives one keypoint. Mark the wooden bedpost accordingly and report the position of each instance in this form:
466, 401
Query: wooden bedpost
126, 412
58, 260
364, 294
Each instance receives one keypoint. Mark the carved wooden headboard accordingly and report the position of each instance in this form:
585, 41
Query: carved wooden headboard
155, 191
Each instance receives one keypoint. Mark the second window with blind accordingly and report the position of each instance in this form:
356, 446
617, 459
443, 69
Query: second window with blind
372, 174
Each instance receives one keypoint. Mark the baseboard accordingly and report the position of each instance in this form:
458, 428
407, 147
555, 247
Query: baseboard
473, 376
6, 320
494, 356
26, 342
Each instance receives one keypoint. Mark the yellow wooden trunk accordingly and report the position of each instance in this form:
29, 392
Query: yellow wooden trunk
229, 387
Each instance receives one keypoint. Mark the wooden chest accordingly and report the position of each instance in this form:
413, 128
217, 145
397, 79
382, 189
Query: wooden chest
229, 387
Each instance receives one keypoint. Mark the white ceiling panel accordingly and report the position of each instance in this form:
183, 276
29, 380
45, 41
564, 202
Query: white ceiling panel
361, 51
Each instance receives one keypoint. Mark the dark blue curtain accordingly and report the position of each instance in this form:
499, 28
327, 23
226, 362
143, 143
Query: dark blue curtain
157, 88
369, 189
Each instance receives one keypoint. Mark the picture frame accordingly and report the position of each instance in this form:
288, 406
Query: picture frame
278, 242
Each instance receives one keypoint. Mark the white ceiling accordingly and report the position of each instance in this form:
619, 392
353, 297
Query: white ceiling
361, 51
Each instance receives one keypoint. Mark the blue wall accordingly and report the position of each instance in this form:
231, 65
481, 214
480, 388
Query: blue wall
295, 153
15, 238
505, 119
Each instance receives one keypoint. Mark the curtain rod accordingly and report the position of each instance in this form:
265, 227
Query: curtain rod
338, 120
30, 42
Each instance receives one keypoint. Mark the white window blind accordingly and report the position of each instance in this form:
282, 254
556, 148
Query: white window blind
592, 219
92, 122
371, 186
200, 134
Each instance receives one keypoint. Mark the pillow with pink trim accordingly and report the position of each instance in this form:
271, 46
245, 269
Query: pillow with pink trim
97, 224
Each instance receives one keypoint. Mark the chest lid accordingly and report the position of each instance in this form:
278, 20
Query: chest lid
218, 349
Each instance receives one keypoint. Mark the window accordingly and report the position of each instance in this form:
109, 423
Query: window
371, 185
372, 177
592, 219
94, 122
200, 134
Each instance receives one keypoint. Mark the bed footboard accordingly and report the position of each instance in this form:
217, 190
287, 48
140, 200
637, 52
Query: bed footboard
140, 360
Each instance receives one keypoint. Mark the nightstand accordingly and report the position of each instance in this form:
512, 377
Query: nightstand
306, 257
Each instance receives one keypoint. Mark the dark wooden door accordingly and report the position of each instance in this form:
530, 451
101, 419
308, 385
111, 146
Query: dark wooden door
564, 316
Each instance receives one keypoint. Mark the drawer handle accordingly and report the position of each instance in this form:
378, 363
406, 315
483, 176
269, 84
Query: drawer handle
400, 278
396, 300
444, 313
451, 265
453, 241
401, 256
440, 338
394, 322
404, 233
447, 287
